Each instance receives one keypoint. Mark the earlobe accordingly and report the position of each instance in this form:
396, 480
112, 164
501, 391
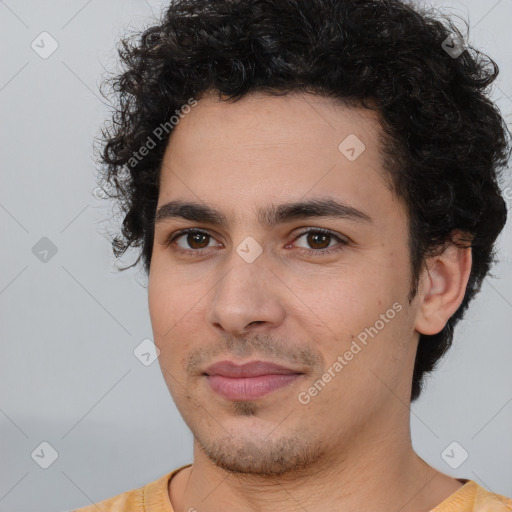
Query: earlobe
442, 289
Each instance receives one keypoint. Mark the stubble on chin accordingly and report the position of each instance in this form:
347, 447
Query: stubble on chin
292, 454
244, 408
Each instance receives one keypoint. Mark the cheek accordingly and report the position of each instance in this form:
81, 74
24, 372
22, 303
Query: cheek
352, 296
159, 305
166, 303
366, 306
176, 315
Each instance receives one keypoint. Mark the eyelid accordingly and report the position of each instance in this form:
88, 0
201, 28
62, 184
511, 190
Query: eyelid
342, 240
186, 231
313, 229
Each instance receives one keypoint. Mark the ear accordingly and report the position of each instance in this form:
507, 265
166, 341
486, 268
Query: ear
442, 287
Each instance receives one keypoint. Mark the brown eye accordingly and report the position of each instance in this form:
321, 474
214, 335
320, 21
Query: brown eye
317, 240
192, 240
197, 240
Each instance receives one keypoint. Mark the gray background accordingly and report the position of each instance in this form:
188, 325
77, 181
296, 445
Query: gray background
69, 325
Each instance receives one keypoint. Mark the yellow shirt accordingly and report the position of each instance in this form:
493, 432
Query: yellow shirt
153, 497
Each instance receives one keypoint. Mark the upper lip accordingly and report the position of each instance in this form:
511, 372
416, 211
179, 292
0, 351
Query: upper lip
250, 369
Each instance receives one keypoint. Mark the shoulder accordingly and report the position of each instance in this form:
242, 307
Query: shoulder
472, 497
142, 499
129, 501
486, 501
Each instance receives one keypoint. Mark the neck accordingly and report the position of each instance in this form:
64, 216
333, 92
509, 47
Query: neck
376, 471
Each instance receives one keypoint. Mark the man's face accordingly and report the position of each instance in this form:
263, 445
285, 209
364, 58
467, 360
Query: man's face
339, 321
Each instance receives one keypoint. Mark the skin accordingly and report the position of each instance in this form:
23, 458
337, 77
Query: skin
349, 448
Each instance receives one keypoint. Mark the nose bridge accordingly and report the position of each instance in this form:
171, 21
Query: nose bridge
245, 294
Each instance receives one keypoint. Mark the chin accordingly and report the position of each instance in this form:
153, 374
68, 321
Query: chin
246, 453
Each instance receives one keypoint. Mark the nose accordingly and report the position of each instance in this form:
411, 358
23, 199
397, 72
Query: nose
248, 297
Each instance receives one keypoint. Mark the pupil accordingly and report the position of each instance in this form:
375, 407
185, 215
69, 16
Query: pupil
196, 238
314, 242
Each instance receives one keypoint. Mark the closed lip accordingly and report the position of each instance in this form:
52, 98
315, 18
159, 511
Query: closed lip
250, 369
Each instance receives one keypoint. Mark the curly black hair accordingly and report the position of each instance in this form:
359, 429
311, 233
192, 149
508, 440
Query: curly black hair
444, 147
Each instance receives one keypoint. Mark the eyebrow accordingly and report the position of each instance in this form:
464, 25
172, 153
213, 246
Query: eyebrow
269, 216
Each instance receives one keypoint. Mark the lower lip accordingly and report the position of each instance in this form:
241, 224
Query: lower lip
249, 388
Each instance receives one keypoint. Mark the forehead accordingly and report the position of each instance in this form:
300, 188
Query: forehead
263, 121
266, 149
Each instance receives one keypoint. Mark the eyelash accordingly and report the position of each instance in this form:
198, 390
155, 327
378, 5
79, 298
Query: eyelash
315, 252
